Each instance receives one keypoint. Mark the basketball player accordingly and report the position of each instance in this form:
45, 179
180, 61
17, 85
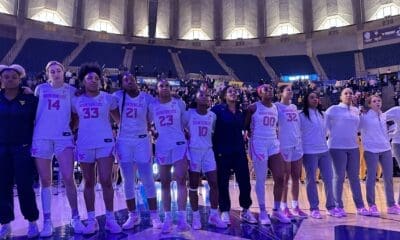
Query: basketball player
262, 122
171, 151
133, 149
54, 110
95, 144
200, 125
291, 149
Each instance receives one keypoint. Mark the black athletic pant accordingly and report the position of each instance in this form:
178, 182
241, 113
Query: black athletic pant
238, 163
17, 164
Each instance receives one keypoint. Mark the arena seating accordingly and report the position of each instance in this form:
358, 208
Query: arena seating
246, 67
382, 56
339, 66
35, 53
291, 65
110, 55
5, 46
154, 59
194, 61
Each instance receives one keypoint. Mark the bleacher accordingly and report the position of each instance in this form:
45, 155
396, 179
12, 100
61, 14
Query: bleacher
339, 66
36, 53
194, 61
291, 65
154, 59
246, 67
110, 55
5, 46
382, 56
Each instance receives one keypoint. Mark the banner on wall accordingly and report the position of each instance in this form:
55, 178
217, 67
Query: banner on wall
383, 34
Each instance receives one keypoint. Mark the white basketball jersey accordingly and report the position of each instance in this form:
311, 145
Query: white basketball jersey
53, 114
289, 125
94, 120
264, 122
167, 118
201, 128
134, 116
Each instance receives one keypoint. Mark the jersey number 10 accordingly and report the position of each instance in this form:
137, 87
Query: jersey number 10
203, 131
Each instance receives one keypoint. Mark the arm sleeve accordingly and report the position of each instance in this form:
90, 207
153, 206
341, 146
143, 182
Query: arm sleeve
113, 102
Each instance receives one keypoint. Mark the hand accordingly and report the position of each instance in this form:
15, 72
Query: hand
154, 133
27, 90
187, 135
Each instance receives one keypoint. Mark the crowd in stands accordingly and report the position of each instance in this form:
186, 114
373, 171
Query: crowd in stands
329, 91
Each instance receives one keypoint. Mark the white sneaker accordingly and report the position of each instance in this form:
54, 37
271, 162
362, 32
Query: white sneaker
92, 226
247, 216
216, 221
280, 216
196, 222
131, 222
156, 222
5, 231
47, 230
183, 226
98, 187
33, 230
263, 218
226, 218
77, 225
167, 226
112, 226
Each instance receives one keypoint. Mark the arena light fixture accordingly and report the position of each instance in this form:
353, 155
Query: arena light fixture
3, 9
143, 33
386, 10
47, 15
284, 28
240, 33
333, 21
102, 25
196, 34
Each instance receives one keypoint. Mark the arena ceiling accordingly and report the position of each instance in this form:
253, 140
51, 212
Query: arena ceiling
204, 19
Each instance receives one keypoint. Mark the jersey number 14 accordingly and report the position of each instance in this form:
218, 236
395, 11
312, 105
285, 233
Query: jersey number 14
55, 104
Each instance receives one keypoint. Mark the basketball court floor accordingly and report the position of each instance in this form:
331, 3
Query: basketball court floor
329, 228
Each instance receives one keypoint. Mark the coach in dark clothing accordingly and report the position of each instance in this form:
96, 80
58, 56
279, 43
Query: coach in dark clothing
230, 154
17, 116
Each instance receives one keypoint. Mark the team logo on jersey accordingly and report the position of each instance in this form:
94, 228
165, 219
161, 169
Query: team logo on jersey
22, 102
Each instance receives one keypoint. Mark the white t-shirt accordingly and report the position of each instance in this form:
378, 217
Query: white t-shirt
374, 135
264, 122
168, 120
94, 120
53, 114
313, 133
134, 116
289, 125
201, 128
394, 114
342, 123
